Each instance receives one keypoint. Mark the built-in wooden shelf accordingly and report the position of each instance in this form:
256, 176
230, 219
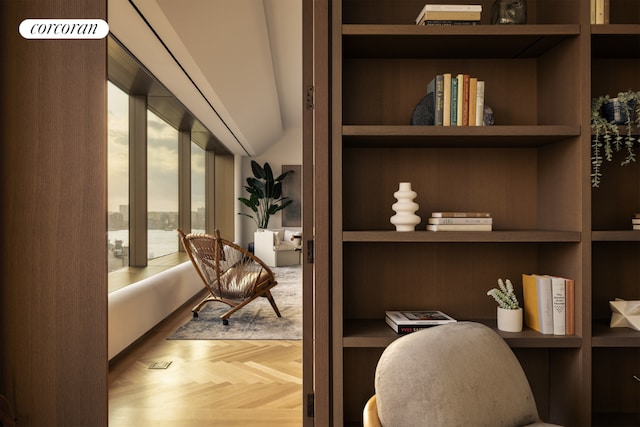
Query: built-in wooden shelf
533, 236
456, 41
376, 333
605, 336
455, 136
616, 236
615, 41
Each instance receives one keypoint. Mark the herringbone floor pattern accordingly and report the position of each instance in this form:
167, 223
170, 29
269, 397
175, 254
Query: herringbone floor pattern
209, 382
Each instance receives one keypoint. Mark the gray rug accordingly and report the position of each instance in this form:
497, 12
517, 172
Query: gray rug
256, 320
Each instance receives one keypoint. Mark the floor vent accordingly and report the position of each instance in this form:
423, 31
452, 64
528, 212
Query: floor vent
159, 365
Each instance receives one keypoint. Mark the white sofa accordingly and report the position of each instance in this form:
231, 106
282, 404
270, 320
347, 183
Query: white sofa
278, 247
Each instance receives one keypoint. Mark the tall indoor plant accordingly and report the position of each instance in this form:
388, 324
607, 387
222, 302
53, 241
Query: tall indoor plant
265, 194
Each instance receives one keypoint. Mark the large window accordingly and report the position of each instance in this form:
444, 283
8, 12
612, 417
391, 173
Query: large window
118, 178
197, 188
162, 187
148, 192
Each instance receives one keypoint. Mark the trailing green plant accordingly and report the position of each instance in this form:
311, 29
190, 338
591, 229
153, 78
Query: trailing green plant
607, 138
265, 194
504, 295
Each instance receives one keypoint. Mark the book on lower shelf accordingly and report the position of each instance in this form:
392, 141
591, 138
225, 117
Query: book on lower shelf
635, 222
455, 12
549, 304
460, 214
460, 221
459, 227
407, 321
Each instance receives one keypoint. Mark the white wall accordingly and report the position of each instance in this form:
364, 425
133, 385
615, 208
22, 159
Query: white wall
287, 151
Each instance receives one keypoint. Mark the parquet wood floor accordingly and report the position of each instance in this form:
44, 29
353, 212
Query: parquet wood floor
230, 383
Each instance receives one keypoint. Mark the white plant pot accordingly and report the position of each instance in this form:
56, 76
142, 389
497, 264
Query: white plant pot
510, 320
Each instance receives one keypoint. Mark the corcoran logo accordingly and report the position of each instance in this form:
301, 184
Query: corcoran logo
64, 29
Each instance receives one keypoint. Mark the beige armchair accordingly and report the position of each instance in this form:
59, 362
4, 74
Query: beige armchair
459, 374
278, 248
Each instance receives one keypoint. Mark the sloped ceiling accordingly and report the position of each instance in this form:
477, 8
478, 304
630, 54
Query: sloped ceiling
236, 64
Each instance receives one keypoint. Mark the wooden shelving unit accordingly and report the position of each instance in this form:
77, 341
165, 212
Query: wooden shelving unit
615, 261
531, 170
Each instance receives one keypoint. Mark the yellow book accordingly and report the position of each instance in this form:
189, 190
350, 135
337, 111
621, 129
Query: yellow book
530, 293
446, 112
538, 306
473, 88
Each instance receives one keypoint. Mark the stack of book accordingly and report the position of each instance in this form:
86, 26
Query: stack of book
404, 322
635, 222
460, 221
458, 100
449, 14
549, 304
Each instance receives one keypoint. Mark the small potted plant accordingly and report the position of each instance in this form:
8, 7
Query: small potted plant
612, 126
509, 311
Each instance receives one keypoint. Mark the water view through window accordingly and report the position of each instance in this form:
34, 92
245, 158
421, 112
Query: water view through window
118, 178
162, 187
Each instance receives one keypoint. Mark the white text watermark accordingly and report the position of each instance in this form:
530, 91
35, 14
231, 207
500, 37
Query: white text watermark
64, 29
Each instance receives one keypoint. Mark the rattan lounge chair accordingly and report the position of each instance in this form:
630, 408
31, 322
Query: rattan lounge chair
232, 275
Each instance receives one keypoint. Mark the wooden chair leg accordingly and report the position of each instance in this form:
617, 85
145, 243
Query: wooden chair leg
268, 295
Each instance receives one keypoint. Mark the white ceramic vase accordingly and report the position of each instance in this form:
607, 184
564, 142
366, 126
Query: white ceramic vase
510, 320
405, 208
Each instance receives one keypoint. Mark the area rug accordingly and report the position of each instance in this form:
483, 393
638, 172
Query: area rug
256, 320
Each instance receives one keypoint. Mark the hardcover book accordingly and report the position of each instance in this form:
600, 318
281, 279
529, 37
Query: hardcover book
538, 305
436, 87
446, 99
466, 10
459, 227
473, 99
409, 321
480, 103
454, 101
447, 220
461, 214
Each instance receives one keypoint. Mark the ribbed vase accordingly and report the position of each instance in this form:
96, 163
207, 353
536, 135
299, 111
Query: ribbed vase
405, 208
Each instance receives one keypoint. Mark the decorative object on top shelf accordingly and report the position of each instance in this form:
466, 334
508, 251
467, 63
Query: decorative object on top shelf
625, 314
509, 312
265, 194
606, 115
509, 12
405, 208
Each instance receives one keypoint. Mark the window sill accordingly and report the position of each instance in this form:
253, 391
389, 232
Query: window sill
125, 276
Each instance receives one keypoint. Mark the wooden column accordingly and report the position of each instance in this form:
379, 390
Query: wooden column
53, 292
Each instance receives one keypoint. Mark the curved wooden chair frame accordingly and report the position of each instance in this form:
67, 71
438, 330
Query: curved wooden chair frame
231, 274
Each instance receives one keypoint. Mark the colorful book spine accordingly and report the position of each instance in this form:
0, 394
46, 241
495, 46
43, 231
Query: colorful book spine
454, 101
439, 112
446, 99
570, 311
480, 103
558, 295
460, 104
473, 95
465, 100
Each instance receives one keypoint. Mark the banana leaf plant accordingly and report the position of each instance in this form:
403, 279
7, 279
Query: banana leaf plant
265, 194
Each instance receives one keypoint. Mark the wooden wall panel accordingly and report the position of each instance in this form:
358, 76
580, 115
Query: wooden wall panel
53, 298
